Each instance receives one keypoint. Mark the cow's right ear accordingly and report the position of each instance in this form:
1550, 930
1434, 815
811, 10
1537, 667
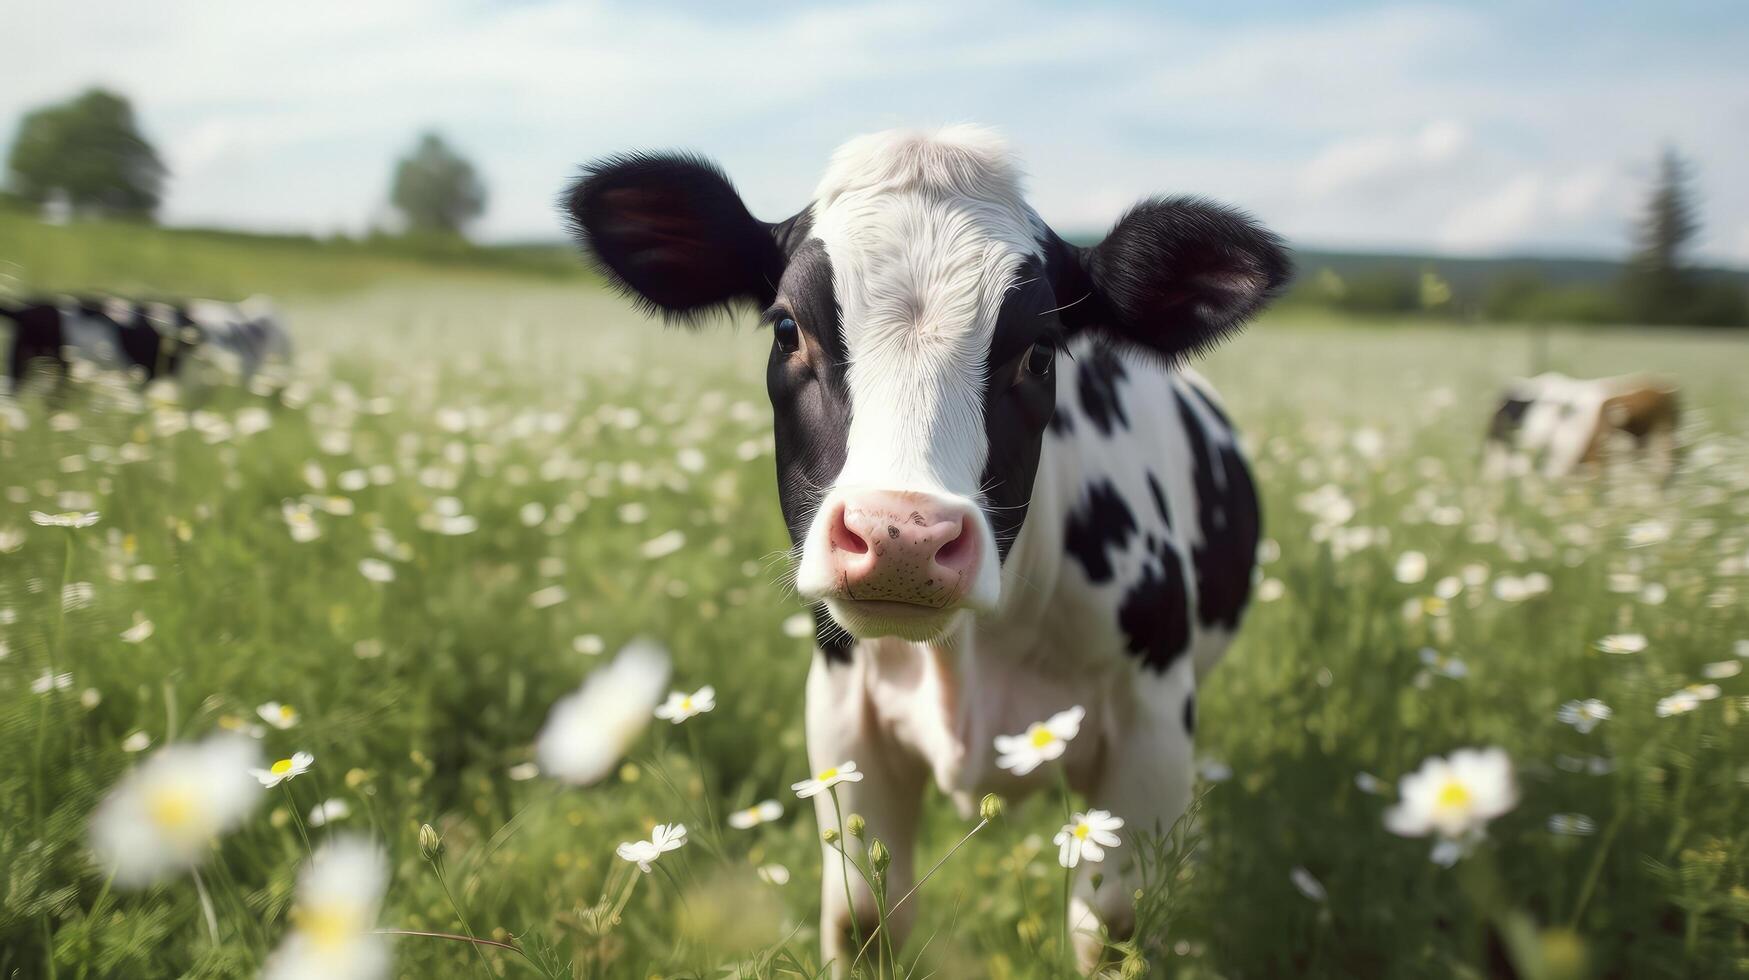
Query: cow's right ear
669, 230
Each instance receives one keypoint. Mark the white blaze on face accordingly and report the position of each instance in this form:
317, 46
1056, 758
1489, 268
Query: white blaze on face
925, 235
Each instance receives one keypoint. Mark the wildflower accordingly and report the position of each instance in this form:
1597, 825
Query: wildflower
798, 627
328, 811
1214, 770
1270, 589
430, 842
680, 707
1647, 532
755, 815
1086, 836
633, 513
284, 769
1571, 825
376, 570
1366, 782
522, 771
163, 814
300, 520
77, 595
1411, 567
140, 632
587, 731
545, 598
51, 682
825, 779
1584, 715
139, 741
280, 716
68, 518
663, 838
1443, 665
1042, 742
334, 918
991, 807
588, 644
1687, 699
1623, 643
1454, 798
1721, 670
774, 874
11, 539
663, 545
1308, 885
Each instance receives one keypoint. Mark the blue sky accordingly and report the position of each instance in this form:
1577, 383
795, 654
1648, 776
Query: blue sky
1471, 129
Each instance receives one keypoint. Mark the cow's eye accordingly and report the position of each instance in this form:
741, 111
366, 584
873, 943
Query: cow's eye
788, 335
1038, 360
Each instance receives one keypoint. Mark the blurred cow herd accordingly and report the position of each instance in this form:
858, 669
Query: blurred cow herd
143, 339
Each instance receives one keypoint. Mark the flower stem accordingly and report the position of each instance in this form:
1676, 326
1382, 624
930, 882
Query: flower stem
291, 803
437, 866
447, 935
704, 787
844, 869
920, 883
206, 908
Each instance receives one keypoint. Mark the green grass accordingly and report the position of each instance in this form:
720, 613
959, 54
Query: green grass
147, 261
505, 394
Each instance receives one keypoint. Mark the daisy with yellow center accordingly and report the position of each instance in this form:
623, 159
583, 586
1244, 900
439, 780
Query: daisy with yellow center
162, 816
284, 769
1454, 799
339, 894
1086, 836
280, 716
680, 707
663, 838
588, 731
825, 779
71, 518
1040, 743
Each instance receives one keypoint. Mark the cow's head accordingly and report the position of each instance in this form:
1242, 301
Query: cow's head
916, 309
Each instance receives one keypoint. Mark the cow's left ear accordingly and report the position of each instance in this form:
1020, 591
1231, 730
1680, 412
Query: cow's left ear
1175, 276
670, 230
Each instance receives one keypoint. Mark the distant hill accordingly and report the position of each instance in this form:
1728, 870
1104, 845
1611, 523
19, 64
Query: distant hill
1476, 275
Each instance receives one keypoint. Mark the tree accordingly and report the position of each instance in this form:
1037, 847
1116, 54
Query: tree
91, 150
435, 189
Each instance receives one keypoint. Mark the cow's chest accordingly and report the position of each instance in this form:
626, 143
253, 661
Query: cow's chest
944, 707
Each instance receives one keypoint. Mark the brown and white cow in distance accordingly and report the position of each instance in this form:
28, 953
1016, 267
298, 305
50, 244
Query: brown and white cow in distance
1562, 425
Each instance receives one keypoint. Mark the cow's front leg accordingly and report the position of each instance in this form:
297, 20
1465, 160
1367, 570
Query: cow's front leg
841, 729
1147, 780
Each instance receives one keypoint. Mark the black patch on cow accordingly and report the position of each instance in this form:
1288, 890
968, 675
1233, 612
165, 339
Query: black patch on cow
36, 336
1102, 524
1019, 402
1227, 513
1507, 418
833, 640
1159, 495
1155, 614
1101, 370
1190, 714
1061, 422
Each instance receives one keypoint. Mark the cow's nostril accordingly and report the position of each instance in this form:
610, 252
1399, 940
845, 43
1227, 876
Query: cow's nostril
958, 552
843, 537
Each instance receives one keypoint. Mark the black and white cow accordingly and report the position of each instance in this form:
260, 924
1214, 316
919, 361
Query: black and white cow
149, 340
1005, 496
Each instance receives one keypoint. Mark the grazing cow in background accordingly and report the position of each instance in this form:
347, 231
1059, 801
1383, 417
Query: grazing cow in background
1562, 423
1005, 496
150, 340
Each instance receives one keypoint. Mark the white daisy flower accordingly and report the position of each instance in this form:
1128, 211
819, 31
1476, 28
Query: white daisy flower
1571, 825
1686, 700
376, 570
1584, 715
68, 518
825, 779
680, 707
1456, 797
51, 682
300, 521
799, 627
340, 892
663, 545
588, 731
663, 838
284, 769
140, 632
1444, 666
1086, 836
774, 874
1623, 643
1307, 884
1411, 567
548, 597
280, 716
755, 815
137, 742
1270, 589
588, 644
328, 811
1042, 742
523, 771
163, 815
1721, 670
1368, 783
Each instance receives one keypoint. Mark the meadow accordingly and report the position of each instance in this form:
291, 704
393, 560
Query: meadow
476, 488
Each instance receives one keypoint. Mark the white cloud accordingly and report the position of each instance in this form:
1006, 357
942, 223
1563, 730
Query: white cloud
1365, 160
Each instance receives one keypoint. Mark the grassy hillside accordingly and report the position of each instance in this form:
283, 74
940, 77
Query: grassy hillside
143, 260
